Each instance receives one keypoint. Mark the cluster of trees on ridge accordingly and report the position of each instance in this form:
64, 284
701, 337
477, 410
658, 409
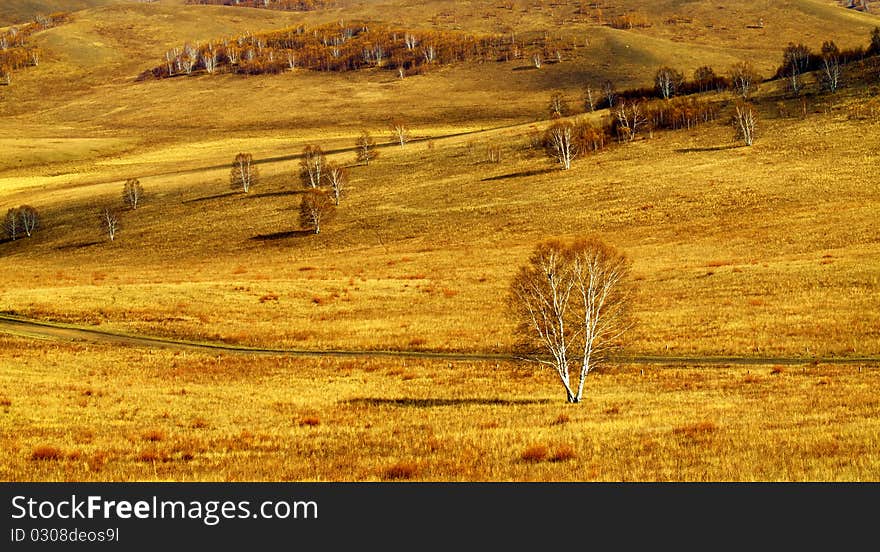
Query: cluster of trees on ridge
286, 5
335, 47
15, 54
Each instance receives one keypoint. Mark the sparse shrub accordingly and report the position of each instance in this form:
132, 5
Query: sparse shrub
777, 370
310, 421
535, 453
561, 419
47, 453
4, 401
401, 470
562, 453
695, 430
153, 435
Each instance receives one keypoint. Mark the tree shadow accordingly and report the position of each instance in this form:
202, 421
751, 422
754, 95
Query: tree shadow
77, 245
275, 194
283, 235
209, 198
431, 403
534, 172
525, 68
711, 148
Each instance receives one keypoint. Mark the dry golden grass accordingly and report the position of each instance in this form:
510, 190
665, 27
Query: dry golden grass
458, 422
766, 250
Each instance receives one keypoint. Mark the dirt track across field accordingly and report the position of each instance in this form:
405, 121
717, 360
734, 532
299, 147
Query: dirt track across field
36, 329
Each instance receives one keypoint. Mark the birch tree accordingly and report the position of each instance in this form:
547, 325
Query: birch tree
11, 224
399, 132
312, 165
29, 218
745, 120
110, 222
571, 301
244, 173
629, 118
668, 81
132, 193
337, 178
366, 148
316, 208
744, 79
559, 143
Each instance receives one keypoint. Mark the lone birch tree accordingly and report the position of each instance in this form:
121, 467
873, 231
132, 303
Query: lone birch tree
745, 121
571, 300
110, 222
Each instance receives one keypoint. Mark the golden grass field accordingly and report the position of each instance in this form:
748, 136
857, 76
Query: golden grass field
92, 413
761, 251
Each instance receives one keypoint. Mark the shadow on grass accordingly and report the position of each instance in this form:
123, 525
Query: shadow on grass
430, 403
712, 148
283, 235
78, 245
275, 194
209, 198
521, 174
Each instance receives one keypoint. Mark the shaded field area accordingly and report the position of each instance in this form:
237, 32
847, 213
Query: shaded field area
111, 413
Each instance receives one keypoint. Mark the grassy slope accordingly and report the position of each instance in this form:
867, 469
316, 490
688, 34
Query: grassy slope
736, 250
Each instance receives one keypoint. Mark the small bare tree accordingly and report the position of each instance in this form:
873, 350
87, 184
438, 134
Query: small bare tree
572, 301
558, 106
559, 143
744, 79
316, 207
110, 221
629, 118
12, 224
30, 219
399, 132
745, 120
537, 60
337, 178
244, 172
366, 148
312, 165
132, 193
589, 98
668, 81
610, 92
831, 67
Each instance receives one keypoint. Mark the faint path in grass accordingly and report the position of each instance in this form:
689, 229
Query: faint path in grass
38, 329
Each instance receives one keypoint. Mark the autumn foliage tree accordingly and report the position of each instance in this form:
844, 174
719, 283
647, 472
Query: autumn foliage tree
12, 224
571, 301
244, 172
315, 208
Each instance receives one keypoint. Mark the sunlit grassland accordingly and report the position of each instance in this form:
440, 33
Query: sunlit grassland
81, 412
735, 250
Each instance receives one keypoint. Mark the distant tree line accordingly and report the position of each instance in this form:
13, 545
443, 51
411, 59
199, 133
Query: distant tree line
15, 54
336, 47
286, 5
